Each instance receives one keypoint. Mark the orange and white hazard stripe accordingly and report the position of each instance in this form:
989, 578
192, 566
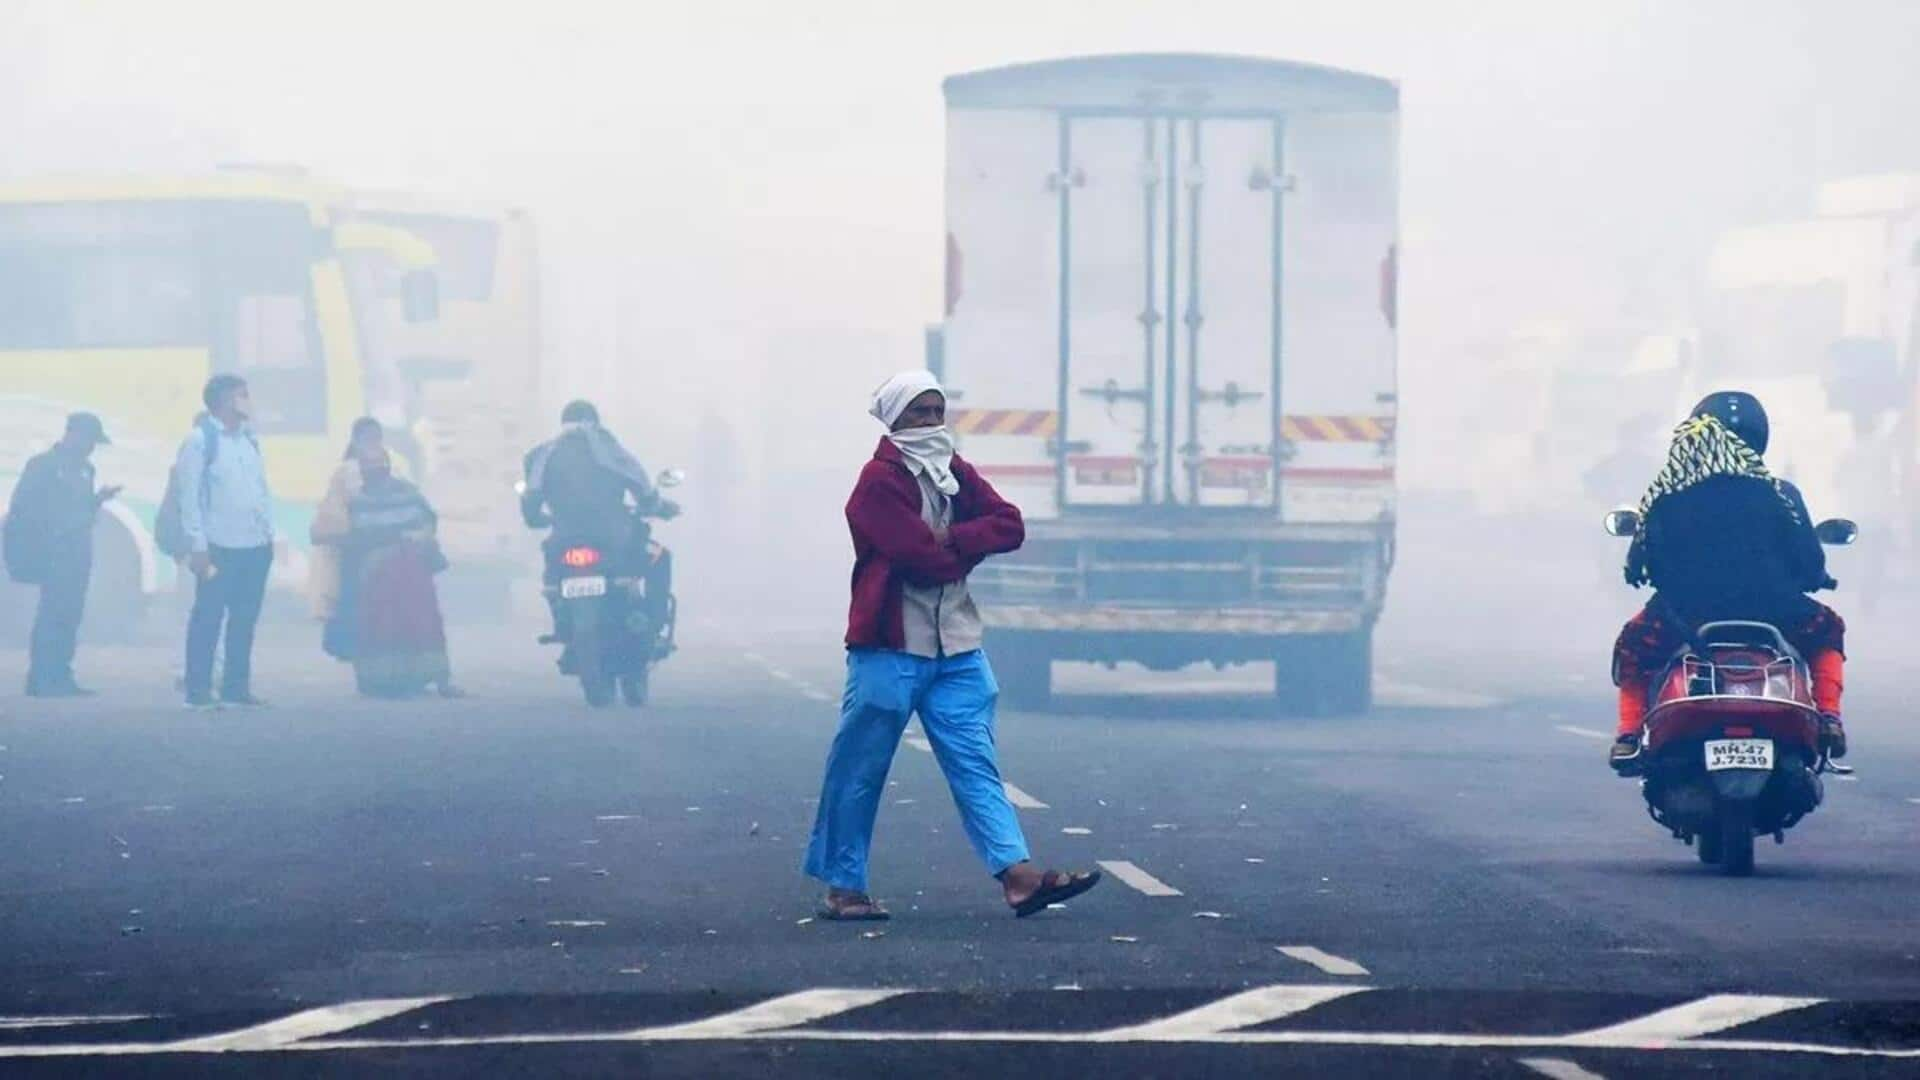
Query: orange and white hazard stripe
1029, 423
1338, 429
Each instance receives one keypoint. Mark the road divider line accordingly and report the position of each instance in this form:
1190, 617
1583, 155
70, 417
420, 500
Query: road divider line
1325, 961
1138, 879
308, 1024
1585, 733
1705, 1016
919, 742
1390, 692
20, 1023
1021, 799
789, 1010
1559, 1069
1243, 1010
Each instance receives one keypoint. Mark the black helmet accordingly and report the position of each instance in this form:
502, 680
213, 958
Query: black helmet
1741, 413
580, 412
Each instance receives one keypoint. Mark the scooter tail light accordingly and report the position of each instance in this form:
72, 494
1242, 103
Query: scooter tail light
1738, 732
580, 558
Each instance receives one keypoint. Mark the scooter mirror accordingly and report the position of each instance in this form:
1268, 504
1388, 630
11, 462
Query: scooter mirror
1622, 522
1838, 532
672, 478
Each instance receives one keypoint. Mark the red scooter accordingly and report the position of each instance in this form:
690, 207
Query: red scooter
1732, 744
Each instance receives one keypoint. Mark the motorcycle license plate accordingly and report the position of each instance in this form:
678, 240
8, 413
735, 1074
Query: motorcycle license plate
1739, 754
579, 588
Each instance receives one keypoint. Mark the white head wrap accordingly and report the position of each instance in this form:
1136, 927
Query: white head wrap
928, 450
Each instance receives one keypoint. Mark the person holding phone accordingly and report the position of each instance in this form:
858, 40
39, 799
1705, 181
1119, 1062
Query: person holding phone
49, 543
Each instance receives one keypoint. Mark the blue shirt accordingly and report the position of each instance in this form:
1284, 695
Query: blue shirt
227, 504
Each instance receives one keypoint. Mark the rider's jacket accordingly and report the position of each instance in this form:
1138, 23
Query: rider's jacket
1730, 543
582, 487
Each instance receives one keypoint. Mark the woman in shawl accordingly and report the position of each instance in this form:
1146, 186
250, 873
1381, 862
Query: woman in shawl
389, 612
1721, 538
331, 526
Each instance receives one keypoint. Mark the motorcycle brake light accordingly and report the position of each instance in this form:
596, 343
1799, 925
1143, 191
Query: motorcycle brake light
580, 558
1738, 732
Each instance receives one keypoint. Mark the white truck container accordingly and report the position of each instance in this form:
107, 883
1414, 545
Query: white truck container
1170, 339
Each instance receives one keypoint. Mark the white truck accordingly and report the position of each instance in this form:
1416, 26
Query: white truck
1170, 339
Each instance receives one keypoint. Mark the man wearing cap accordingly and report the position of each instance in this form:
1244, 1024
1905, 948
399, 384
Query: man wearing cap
50, 544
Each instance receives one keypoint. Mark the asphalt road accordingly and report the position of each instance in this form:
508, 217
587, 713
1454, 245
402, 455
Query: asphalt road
1451, 885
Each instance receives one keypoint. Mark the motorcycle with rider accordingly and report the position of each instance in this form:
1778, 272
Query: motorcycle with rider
1730, 678
608, 583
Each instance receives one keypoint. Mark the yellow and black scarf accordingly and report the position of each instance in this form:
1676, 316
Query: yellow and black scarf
1703, 448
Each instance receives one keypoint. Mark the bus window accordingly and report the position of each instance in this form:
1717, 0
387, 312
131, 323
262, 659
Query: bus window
98, 276
259, 265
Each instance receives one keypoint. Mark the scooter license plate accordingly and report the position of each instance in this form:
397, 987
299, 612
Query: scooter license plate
1739, 754
579, 588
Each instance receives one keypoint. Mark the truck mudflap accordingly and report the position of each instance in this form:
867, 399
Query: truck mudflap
1265, 623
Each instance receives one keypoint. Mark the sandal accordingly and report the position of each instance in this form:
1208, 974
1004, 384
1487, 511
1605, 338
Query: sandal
1056, 887
861, 908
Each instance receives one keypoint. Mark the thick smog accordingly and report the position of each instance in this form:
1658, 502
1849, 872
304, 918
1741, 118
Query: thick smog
1368, 539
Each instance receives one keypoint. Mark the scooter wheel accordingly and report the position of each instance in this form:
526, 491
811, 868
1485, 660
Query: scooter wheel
1707, 846
1736, 840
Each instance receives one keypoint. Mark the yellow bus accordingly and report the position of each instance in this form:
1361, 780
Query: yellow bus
121, 297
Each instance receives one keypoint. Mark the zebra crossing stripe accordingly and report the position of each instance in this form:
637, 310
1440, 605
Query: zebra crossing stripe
1242, 1010
1696, 1018
310, 1024
804, 1007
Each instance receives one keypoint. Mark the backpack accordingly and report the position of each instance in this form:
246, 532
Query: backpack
169, 532
21, 549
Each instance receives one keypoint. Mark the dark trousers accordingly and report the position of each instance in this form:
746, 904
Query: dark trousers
232, 595
56, 624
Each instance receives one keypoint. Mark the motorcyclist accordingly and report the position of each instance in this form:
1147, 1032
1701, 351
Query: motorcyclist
1721, 538
578, 482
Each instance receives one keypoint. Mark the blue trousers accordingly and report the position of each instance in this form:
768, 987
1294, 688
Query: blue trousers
955, 697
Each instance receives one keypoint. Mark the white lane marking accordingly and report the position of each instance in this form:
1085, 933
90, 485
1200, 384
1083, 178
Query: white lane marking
816, 695
1021, 799
780, 674
1915, 802
1695, 1018
1266, 1004
804, 1007
309, 1024
1137, 878
1559, 1069
784, 1010
1325, 961
1413, 696
919, 743
1077, 830
18, 1023
1585, 733
756, 658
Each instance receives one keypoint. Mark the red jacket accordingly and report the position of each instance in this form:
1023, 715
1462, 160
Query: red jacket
892, 543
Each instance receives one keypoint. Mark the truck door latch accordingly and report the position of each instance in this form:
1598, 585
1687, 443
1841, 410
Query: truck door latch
1111, 391
1231, 395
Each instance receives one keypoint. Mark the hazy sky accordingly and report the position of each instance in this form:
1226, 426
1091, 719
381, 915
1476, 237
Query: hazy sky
761, 181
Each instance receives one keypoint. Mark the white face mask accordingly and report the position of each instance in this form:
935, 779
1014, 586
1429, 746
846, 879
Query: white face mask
929, 451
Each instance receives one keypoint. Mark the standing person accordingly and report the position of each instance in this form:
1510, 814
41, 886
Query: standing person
389, 612
922, 519
50, 544
332, 523
226, 516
